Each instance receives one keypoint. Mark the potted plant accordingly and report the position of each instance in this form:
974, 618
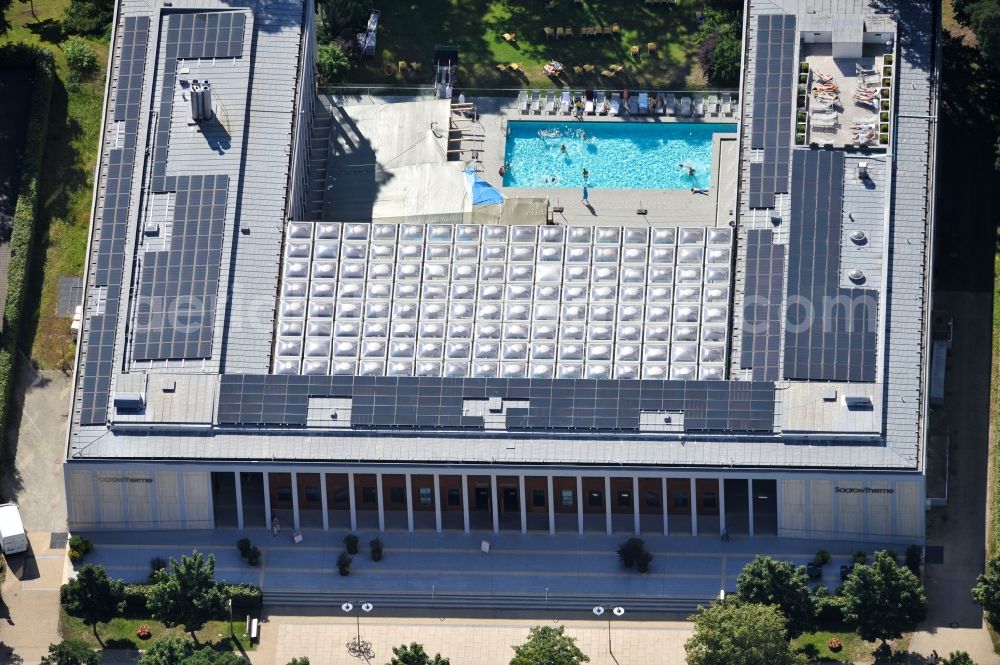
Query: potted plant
143, 632
344, 564
804, 67
822, 558
253, 556
243, 545
887, 71
883, 139
80, 546
834, 644
376, 546
800, 139
887, 59
642, 563
630, 551
859, 557
351, 541
803, 78
885, 104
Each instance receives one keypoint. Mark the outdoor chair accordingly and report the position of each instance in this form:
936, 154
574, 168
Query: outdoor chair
560, 32
651, 48
608, 31
402, 65
589, 68
548, 32
607, 73
514, 66
502, 67
616, 29
510, 36
389, 70
634, 51
415, 66
569, 31
577, 69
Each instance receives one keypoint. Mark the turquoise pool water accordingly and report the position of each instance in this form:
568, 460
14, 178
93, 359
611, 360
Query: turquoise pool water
617, 155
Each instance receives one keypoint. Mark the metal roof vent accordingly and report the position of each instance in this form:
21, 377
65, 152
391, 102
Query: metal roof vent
201, 101
857, 276
859, 237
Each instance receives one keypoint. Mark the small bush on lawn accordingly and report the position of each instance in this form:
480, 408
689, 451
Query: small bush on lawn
80, 57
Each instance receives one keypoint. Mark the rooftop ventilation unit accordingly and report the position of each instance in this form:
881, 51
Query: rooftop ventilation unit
859, 237
129, 401
857, 276
863, 170
201, 101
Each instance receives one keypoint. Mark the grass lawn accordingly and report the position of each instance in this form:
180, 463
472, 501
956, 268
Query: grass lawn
410, 29
120, 633
814, 647
66, 182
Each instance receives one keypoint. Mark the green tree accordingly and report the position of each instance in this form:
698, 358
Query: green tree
71, 652
80, 57
719, 46
4, 23
958, 658
187, 594
729, 633
299, 661
766, 581
209, 656
169, 650
883, 600
331, 62
414, 654
88, 17
987, 590
94, 597
984, 19
548, 646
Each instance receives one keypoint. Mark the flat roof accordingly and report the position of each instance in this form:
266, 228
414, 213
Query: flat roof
401, 323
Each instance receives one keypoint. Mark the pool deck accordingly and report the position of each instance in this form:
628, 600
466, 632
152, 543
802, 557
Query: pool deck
615, 207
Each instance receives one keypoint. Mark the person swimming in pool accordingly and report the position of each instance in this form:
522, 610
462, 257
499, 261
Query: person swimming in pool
562, 148
586, 174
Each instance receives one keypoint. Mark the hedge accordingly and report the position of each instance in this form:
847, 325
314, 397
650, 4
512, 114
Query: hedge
24, 235
246, 599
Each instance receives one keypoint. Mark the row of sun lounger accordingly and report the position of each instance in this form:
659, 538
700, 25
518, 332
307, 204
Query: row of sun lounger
643, 103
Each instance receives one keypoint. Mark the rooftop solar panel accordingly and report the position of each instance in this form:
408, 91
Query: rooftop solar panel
761, 340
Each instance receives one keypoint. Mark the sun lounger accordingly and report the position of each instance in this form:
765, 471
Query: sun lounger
699, 106
685, 107
643, 103
522, 101
588, 107
713, 105
536, 101
565, 104
821, 77
727, 107
822, 104
616, 101
671, 104
600, 103
550, 103
660, 107
633, 105
863, 70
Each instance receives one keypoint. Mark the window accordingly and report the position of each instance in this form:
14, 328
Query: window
368, 495
454, 496
708, 500
397, 495
284, 493
312, 495
538, 498
652, 499
624, 499
340, 495
680, 499
567, 499
425, 495
595, 498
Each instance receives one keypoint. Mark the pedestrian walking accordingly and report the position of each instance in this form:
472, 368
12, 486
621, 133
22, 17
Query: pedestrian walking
586, 194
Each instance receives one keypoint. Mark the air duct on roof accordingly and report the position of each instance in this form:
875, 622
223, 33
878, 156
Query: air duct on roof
201, 101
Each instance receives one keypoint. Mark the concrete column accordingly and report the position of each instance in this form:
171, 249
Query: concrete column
607, 504
409, 502
351, 502
524, 505
437, 503
295, 501
267, 500
579, 503
496, 508
552, 507
239, 500
465, 501
750, 506
694, 508
379, 502
323, 502
722, 506
665, 504
635, 505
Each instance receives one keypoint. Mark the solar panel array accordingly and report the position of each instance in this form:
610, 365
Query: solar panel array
108, 263
205, 35
830, 334
771, 125
175, 313
760, 346
504, 301
131, 65
380, 402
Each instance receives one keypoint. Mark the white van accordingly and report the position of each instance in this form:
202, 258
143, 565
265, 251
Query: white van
12, 536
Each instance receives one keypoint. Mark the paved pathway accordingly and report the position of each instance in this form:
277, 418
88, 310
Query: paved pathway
465, 641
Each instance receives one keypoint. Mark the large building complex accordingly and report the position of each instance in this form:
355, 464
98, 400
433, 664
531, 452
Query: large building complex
295, 307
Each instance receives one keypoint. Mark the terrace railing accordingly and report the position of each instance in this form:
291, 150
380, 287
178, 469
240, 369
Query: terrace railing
428, 91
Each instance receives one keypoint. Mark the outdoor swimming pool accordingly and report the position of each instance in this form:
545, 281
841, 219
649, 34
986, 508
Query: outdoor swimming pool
617, 155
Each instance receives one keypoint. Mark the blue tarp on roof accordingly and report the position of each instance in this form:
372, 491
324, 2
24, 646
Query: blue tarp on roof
483, 193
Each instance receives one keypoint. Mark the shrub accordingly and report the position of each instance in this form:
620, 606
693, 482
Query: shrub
642, 563
804, 67
243, 545
377, 547
888, 59
79, 547
720, 51
822, 558
859, 557
344, 564
351, 541
834, 644
630, 551
143, 632
883, 139
331, 63
80, 57
829, 609
246, 599
800, 139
